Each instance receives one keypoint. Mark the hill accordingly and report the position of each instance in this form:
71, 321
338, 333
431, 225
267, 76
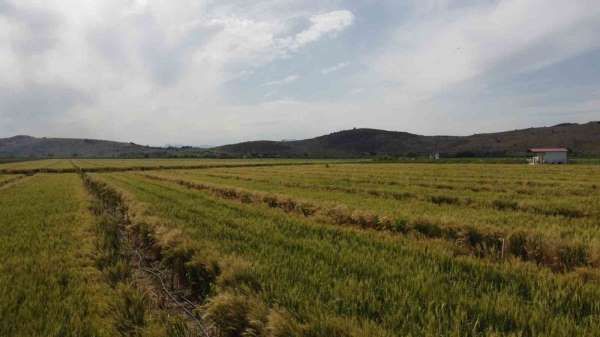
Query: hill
581, 139
26, 146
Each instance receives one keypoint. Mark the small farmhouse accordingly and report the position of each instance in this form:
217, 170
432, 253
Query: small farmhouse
556, 155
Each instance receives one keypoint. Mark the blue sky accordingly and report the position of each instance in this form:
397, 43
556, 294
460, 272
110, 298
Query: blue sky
214, 72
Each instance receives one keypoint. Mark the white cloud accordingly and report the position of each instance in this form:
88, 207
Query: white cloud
356, 91
139, 59
156, 72
286, 80
334, 68
323, 24
443, 47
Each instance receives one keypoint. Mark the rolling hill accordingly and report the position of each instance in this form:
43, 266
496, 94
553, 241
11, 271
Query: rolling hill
581, 139
26, 146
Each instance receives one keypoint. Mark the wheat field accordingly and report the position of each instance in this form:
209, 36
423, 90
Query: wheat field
298, 248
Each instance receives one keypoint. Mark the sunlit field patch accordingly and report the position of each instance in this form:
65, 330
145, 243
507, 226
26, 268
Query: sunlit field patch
356, 249
324, 249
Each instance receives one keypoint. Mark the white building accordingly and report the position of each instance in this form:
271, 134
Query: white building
556, 155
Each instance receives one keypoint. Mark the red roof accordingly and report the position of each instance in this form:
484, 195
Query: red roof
549, 149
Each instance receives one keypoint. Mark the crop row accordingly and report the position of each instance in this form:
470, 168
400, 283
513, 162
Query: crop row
499, 204
73, 167
358, 177
65, 271
526, 245
86, 163
219, 288
479, 174
56, 165
132, 261
578, 221
520, 182
338, 280
48, 283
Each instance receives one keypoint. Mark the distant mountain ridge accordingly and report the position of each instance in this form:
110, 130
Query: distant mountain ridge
581, 139
27, 146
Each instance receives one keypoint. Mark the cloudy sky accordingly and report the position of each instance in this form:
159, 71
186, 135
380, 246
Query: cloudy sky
217, 71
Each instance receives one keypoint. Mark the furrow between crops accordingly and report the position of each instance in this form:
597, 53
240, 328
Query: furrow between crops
211, 291
147, 286
531, 246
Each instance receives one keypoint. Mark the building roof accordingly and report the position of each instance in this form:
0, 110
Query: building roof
549, 149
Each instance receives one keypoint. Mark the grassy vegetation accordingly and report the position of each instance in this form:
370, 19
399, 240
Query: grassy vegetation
7, 180
125, 163
548, 215
328, 280
30, 164
452, 160
157, 163
6, 177
48, 283
111, 165
328, 249
64, 271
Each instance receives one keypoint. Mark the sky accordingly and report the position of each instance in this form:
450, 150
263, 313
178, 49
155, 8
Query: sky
211, 72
